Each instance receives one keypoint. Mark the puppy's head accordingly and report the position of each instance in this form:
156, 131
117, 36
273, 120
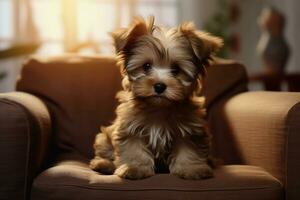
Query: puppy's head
163, 65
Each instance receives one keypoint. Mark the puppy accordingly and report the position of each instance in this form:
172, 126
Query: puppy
161, 115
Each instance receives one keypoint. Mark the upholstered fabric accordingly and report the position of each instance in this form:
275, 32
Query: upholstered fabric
79, 92
224, 78
24, 131
266, 127
72, 178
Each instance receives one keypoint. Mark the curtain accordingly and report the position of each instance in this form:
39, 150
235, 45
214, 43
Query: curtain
24, 28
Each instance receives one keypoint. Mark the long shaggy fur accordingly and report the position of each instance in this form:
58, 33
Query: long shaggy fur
167, 126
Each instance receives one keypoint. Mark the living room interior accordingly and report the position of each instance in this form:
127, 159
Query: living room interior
58, 81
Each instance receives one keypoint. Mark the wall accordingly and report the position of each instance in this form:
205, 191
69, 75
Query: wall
200, 10
197, 11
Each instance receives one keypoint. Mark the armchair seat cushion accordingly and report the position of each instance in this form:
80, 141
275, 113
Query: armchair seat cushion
72, 179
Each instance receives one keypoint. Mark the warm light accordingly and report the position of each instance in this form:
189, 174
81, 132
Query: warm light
75, 25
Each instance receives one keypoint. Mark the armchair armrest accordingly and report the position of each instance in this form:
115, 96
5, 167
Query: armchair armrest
24, 133
266, 128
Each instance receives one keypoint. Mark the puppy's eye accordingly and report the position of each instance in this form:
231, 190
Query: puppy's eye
175, 69
146, 67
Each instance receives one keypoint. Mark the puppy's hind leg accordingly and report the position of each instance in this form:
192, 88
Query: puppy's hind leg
102, 162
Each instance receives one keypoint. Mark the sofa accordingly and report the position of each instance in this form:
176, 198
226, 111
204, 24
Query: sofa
48, 125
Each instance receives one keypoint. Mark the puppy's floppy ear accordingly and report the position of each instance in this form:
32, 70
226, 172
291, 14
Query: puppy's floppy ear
203, 44
124, 37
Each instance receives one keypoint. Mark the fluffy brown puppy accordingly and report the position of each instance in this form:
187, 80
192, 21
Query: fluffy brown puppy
161, 115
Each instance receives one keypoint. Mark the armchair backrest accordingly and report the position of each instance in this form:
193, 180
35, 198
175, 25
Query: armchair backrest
79, 93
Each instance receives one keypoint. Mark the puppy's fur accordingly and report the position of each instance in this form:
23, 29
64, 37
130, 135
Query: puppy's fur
165, 124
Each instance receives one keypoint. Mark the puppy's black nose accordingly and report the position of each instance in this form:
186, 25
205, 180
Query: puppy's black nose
159, 87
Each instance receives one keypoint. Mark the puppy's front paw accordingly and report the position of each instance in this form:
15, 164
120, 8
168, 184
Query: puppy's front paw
195, 172
101, 165
134, 172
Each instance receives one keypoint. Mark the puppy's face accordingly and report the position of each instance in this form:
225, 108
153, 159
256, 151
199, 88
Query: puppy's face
163, 65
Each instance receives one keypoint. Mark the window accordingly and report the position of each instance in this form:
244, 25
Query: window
76, 25
47, 18
6, 23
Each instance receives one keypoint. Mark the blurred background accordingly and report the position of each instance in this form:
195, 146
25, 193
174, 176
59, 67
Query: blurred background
54, 27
